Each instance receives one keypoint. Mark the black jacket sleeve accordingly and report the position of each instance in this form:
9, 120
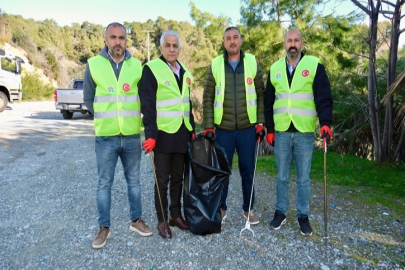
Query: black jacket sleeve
147, 88
323, 96
269, 99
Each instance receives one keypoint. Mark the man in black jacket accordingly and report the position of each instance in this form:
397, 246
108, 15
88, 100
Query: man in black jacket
164, 90
297, 91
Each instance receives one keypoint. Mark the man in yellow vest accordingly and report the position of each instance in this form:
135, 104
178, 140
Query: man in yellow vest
111, 93
164, 90
233, 104
298, 90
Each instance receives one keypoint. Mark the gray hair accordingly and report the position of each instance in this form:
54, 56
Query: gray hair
169, 33
115, 24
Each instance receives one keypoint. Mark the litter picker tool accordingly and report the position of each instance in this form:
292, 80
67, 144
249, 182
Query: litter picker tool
325, 203
158, 191
247, 224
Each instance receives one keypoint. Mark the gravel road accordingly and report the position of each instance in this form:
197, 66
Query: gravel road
48, 216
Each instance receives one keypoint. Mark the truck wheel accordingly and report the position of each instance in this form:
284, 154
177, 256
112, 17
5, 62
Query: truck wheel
3, 101
67, 115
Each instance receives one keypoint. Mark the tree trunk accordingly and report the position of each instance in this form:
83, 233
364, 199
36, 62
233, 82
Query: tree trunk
373, 106
387, 145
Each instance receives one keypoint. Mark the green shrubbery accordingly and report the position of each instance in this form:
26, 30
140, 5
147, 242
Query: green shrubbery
34, 89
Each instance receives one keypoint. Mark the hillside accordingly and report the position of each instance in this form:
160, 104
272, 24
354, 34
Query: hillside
27, 67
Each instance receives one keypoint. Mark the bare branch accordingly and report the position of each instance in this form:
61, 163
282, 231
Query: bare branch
402, 30
387, 12
388, 3
358, 4
353, 53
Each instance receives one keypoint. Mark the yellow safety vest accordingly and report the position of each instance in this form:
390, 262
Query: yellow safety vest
172, 106
218, 70
294, 104
117, 108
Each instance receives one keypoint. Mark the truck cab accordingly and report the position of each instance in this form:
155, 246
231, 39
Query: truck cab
10, 78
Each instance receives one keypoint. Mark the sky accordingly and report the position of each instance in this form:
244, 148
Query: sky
65, 12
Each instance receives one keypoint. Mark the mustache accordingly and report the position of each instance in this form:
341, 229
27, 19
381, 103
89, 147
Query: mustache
293, 48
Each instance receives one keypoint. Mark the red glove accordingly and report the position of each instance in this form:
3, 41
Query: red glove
260, 132
148, 145
192, 136
209, 134
271, 138
326, 134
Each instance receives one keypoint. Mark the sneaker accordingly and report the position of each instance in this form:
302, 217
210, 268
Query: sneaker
305, 227
223, 215
140, 227
101, 238
253, 219
278, 220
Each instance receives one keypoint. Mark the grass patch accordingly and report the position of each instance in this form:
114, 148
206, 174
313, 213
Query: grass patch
373, 183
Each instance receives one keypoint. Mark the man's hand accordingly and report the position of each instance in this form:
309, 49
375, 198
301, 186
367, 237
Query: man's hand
326, 134
148, 145
271, 138
209, 134
260, 132
192, 136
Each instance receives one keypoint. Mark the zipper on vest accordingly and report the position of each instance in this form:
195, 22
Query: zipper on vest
234, 90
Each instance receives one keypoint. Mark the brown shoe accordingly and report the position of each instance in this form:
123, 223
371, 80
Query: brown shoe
178, 222
101, 238
223, 215
253, 219
162, 232
140, 227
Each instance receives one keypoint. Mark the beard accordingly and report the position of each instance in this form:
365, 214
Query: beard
295, 54
117, 53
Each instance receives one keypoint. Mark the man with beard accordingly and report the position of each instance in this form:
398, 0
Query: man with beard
164, 90
233, 104
111, 94
298, 90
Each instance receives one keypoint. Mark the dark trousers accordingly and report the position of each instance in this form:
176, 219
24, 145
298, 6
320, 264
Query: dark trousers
169, 169
244, 142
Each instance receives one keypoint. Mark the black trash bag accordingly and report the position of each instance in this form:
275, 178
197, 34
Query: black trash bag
207, 173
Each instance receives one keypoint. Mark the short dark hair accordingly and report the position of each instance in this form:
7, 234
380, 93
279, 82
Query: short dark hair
232, 28
115, 24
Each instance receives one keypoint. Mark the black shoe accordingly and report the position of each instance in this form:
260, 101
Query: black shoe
278, 220
305, 227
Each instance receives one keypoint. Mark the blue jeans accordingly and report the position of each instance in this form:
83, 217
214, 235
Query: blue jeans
244, 141
108, 149
297, 147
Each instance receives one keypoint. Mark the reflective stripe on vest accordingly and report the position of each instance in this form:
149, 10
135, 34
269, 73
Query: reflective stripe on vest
250, 70
172, 106
294, 104
116, 103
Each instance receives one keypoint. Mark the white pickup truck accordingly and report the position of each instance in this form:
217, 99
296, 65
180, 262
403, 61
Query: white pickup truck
70, 99
10, 78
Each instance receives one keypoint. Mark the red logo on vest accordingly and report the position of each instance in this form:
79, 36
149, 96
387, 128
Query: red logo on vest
188, 81
305, 73
126, 87
249, 81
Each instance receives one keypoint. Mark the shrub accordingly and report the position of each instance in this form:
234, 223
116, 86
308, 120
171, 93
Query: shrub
34, 89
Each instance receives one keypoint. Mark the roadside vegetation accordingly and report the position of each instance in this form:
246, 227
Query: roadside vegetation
369, 117
372, 183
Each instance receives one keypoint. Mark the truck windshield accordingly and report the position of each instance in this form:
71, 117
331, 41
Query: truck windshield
8, 65
78, 85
